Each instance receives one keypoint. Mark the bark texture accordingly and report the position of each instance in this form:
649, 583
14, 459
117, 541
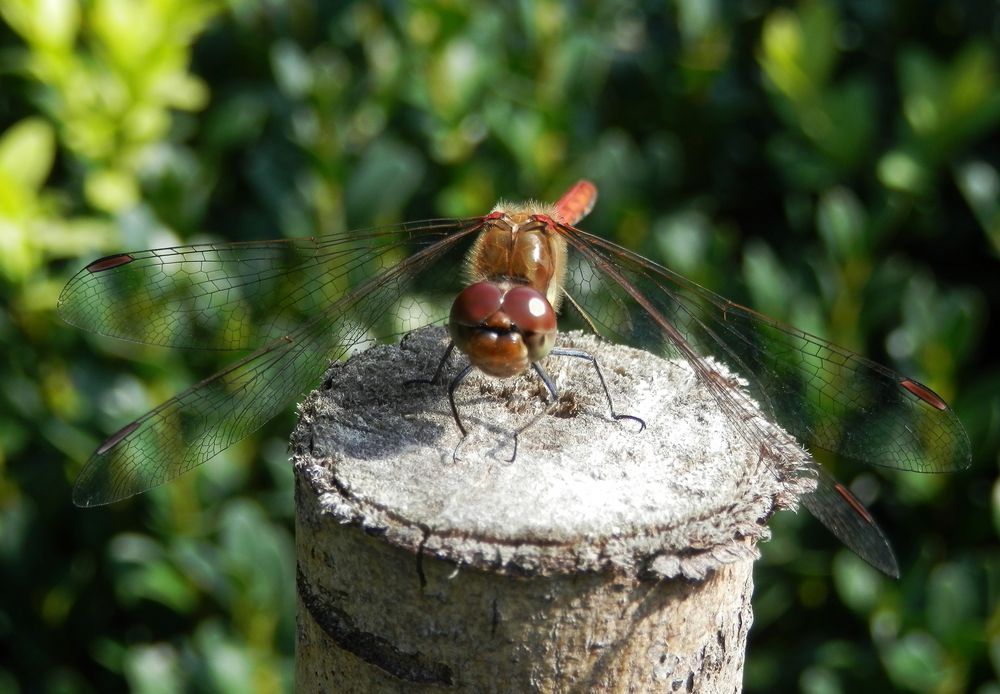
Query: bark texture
602, 558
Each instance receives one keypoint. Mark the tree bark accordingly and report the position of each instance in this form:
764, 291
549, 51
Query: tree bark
602, 558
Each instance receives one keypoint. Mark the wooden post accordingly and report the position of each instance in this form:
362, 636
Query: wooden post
601, 559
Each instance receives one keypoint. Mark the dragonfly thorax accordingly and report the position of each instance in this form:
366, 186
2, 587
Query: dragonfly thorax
524, 244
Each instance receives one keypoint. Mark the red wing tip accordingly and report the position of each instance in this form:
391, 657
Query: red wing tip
109, 262
924, 393
116, 438
853, 501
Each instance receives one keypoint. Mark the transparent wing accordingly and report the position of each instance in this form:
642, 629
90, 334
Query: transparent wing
194, 426
825, 396
231, 295
847, 518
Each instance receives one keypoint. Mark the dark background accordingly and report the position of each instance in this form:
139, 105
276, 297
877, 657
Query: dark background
832, 164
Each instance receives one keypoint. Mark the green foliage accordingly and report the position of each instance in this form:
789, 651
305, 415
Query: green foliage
834, 164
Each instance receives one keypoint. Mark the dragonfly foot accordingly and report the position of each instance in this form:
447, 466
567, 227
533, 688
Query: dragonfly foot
620, 417
513, 456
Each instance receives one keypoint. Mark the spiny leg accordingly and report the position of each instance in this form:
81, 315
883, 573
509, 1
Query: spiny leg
436, 378
555, 399
451, 396
550, 386
580, 354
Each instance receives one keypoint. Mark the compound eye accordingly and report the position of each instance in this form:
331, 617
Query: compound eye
529, 310
476, 303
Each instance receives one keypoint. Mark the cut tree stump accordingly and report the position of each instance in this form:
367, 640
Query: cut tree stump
603, 558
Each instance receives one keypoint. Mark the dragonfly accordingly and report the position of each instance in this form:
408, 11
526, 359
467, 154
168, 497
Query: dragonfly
294, 305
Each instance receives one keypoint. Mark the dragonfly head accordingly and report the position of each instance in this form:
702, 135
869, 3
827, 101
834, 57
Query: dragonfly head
502, 326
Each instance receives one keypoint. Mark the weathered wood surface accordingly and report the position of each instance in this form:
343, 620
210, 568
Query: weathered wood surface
601, 558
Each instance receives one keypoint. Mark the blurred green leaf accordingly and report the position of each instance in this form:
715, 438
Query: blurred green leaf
947, 104
798, 52
456, 76
766, 279
292, 69
816, 680
900, 170
953, 602
385, 160
49, 25
798, 48
683, 240
258, 556
111, 190
27, 150
840, 221
917, 663
154, 669
147, 574
229, 665
859, 585
995, 505
980, 184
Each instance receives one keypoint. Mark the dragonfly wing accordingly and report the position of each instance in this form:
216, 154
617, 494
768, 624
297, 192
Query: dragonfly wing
201, 422
825, 396
231, 295
204, 420
840, 511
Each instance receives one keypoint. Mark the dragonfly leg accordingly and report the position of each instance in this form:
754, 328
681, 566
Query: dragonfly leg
555, 399
546, 380
436, 378
454, 408
580, 354
451, 396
